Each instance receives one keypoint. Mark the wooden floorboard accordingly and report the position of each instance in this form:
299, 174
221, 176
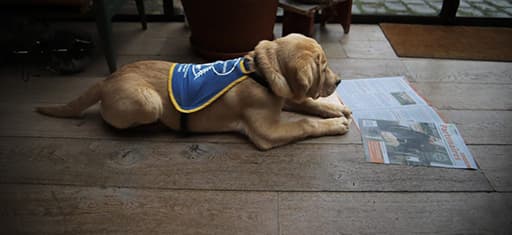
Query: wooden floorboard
496, 163
365, 49
27, 209
482, 127
351, 68
172, 165
466, 96
395, 213
460, 71
65, 209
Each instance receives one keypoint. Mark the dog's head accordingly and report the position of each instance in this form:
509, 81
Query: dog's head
296, 67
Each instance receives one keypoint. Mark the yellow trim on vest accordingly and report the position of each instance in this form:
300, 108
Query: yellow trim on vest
169, 87
242, 66
211, 100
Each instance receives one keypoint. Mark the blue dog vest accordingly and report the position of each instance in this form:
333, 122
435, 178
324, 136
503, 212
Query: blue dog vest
193, 87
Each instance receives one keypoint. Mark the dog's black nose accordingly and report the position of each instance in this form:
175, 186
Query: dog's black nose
338, 82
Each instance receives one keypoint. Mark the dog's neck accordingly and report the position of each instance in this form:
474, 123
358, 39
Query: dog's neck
251, 65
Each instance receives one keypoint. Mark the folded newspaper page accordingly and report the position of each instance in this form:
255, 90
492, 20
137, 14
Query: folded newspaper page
389, 98
400, 127
415, 143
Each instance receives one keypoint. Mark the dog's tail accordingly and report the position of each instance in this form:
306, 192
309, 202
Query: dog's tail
75, 107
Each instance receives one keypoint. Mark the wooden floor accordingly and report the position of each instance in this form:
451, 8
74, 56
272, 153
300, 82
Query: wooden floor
71, 176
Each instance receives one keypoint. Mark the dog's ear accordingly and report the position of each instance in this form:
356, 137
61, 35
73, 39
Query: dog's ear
320, 63
307, 76
268, 64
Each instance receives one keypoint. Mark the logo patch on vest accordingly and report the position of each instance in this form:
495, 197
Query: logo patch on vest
193, 87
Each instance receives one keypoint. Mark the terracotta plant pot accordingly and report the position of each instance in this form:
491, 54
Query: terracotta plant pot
223, 29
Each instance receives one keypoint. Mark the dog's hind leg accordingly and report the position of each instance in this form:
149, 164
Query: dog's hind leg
129, 105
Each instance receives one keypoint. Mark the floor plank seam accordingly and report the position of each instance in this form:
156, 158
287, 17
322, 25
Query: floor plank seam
497, 145
466, 109
103, 187
375, 59
365, 58
129, 138
460, 82
278, 213
488, 180
411, 79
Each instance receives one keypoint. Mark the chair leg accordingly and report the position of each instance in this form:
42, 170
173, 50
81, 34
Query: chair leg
449, 11
325, 15
142, 13
298, 23
104, 25
344, 10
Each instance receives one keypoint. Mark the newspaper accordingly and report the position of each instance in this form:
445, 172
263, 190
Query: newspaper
415, 143
389, 98
399, 127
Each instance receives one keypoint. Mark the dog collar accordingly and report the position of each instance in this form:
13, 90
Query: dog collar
255, 76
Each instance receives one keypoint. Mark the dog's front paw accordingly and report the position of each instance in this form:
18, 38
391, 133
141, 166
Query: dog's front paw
347, 113
329, 110
338, 126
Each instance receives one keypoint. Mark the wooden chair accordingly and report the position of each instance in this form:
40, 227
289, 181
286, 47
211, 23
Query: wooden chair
104, 10
300, 18
101, 10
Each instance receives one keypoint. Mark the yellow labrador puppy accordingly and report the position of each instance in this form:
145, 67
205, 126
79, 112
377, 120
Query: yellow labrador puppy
289, 72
